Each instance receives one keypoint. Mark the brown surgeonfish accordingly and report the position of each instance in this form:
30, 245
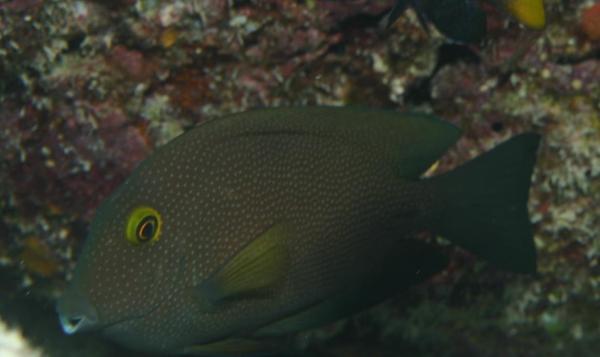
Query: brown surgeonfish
274, 221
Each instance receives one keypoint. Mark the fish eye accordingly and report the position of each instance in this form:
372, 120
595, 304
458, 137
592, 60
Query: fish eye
147, 228
143, 225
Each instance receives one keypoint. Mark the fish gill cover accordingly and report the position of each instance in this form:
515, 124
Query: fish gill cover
90, 88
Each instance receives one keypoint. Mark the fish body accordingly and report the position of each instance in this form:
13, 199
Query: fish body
277, 220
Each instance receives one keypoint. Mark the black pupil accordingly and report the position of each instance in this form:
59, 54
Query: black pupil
147, 228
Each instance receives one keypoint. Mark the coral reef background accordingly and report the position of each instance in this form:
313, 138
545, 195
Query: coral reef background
89, 88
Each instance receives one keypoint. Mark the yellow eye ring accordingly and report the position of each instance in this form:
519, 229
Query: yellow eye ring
143, 225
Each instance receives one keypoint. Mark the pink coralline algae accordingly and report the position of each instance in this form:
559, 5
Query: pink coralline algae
131, 63
21, 5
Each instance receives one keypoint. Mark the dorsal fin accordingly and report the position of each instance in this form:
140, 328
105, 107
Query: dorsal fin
412, 141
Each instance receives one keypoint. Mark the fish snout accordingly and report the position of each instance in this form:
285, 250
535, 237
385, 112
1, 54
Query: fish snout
76, 313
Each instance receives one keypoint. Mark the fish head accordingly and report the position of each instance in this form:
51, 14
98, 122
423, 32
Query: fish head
126, 278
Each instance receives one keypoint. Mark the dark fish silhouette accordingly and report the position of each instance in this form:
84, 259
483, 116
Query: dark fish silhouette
277, 220
464, 20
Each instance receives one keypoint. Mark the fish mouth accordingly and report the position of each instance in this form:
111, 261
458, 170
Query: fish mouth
79, 323
78, 315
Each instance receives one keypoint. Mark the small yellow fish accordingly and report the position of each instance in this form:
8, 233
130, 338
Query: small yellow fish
529, 12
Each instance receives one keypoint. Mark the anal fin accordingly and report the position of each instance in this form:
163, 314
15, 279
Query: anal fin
415, 262
231, 347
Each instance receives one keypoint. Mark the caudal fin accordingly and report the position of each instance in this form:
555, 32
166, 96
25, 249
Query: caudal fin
484, 204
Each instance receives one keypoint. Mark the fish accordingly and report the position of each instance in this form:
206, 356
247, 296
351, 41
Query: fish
465, 21
273, 221
530, 13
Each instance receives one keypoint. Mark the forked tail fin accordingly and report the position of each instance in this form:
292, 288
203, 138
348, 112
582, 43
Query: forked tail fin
484, 204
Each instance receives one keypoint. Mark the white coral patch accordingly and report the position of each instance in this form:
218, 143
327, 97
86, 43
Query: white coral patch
13, 344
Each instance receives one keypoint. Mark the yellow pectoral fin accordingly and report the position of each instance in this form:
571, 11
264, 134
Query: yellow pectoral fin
529, 12
261, 265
